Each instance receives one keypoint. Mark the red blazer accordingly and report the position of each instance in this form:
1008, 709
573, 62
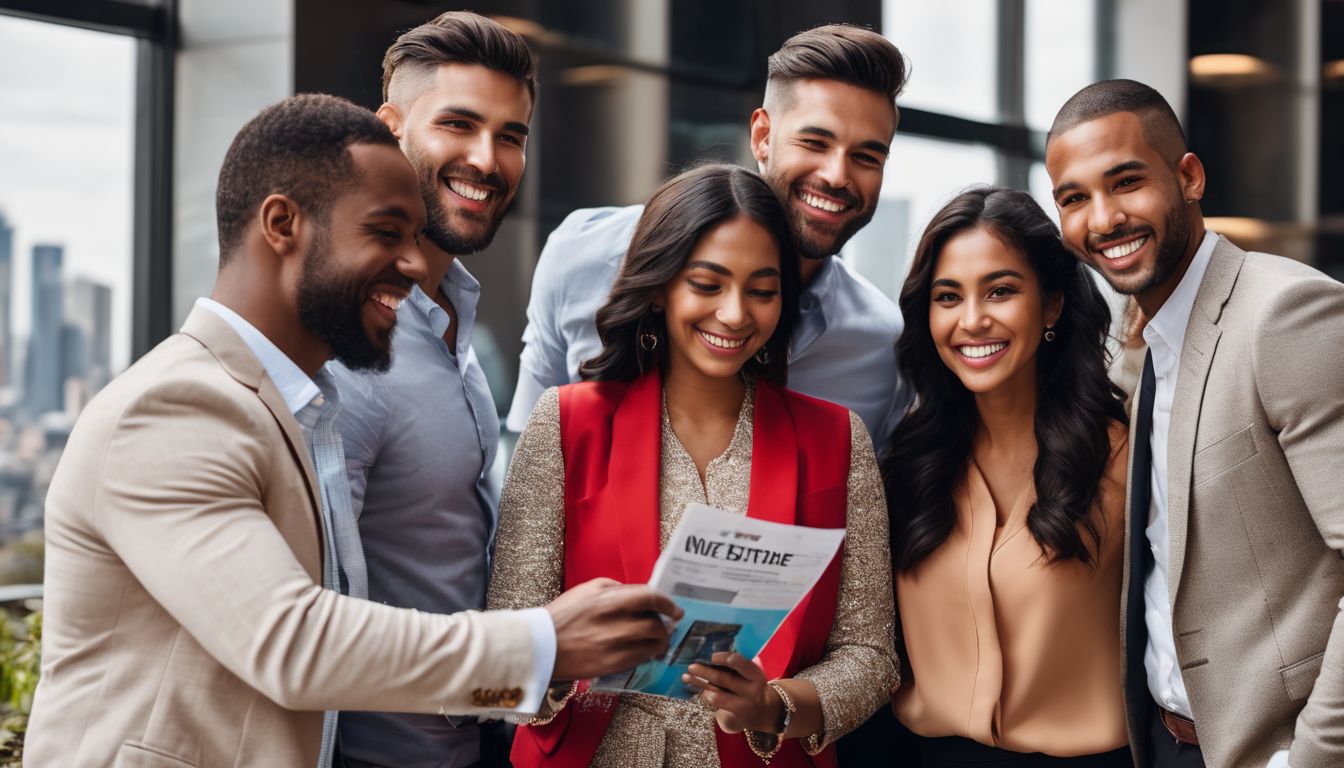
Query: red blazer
611, 438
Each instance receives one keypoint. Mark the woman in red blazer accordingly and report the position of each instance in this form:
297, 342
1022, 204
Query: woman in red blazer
686, 403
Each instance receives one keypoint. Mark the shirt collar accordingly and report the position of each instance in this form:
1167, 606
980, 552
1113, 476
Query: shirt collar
463, 290
1169, 323
295, 387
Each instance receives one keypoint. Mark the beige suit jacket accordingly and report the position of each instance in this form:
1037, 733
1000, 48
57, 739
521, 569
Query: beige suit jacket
1256, 515
185, 622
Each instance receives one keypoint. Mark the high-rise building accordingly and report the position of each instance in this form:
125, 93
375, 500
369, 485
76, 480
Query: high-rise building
6, 273
45, 378
88, 307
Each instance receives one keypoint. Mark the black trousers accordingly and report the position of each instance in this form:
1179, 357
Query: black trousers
1166, 751
956, 752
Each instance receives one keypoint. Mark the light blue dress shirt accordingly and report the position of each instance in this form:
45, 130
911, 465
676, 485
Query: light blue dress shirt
419, 441
844, 344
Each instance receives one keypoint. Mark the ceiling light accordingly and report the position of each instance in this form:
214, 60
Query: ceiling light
1222, 67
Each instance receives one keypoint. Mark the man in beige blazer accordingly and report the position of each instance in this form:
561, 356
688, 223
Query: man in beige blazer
185, 621
1233, 633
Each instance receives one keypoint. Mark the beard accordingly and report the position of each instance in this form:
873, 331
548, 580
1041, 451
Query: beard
807, 240
331, 307
439, 226
1171, 249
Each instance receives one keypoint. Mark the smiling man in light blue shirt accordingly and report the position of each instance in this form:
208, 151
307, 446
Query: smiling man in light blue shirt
420, 439
821, 140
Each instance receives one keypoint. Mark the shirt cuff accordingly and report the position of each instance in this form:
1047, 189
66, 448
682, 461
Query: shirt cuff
1279, 760
543, 658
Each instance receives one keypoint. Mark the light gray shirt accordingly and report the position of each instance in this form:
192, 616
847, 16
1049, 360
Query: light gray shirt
844, 344
419, 443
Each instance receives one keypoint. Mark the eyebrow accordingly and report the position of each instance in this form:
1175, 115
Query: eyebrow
825, 133
1115, 170
719, 269
390, 211
989, 278
471, 114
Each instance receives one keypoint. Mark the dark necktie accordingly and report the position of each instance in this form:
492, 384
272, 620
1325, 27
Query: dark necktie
1140, 554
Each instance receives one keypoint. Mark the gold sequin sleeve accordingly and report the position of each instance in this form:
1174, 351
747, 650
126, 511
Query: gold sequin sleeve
529, 564
858, 669
529, 559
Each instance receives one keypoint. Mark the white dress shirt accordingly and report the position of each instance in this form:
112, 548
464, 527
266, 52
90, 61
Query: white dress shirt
298, 390
1165, 334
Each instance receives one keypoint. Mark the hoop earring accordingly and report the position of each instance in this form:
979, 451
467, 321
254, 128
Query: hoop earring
648, 341
1049, 334
763, 356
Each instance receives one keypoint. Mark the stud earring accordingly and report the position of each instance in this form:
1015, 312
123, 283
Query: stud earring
648, 341
763, 356
1049, 334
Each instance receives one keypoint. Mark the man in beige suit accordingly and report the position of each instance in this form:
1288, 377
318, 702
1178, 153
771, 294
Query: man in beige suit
190, 517
1233, 632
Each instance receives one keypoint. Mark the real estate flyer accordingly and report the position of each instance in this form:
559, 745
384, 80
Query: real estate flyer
737, 578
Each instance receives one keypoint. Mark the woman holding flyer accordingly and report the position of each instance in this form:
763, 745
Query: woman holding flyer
1006, 484
686, 404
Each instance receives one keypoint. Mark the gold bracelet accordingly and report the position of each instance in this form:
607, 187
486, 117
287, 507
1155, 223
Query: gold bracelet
789, 707
812, 744
761, 752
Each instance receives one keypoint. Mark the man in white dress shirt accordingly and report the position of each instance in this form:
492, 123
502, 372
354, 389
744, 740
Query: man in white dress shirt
821, 140
1233, 633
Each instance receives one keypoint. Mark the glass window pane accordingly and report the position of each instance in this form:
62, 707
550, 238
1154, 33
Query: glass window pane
1039, 186
951, 48
921, 175
1061, 53
66, 196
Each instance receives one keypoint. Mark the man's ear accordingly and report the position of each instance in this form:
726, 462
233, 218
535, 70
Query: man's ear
1190, 172
279, 216
391, 116
760, 135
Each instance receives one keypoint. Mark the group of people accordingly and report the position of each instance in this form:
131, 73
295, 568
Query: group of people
269, 540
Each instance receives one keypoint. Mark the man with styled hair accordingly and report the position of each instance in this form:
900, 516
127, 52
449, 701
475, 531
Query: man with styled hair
196, 541
821, 140
1233, 632
420, 439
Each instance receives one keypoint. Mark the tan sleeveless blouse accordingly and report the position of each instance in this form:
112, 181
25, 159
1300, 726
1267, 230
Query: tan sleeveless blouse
1008, 649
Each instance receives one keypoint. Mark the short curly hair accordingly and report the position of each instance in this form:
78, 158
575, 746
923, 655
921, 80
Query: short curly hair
296, 148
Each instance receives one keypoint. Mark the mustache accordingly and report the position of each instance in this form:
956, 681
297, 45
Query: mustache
1094, 241
465, 172
837, 193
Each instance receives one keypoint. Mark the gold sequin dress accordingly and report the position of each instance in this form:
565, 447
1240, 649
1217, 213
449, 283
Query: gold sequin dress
858, 669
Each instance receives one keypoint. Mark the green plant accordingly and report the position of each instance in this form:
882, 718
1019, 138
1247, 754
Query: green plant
20, 660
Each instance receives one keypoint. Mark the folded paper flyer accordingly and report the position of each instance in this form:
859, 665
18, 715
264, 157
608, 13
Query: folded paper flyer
736, 578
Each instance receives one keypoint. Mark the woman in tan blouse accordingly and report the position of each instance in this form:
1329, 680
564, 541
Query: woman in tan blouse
685, 404
1006, 487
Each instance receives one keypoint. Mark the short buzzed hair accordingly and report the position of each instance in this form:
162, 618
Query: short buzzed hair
459, 37
841, 52
297, 148
1108, 97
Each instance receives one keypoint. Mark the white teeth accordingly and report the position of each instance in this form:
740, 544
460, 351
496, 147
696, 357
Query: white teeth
1124, 249
983, 350
719, 341
821, 202
469, 191
391, 301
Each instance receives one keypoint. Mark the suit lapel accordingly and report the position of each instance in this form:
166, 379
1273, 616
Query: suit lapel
1197, 350
233, 355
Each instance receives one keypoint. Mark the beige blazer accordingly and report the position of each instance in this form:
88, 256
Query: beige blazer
185, 622
1256, 505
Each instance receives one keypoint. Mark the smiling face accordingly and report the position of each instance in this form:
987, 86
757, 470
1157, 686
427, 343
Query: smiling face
987, 312
465, 131
1123, 208
822, 150
362, 264
724, 305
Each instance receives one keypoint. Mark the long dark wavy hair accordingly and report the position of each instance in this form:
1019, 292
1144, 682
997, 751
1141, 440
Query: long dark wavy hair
683, 210
1075, 402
